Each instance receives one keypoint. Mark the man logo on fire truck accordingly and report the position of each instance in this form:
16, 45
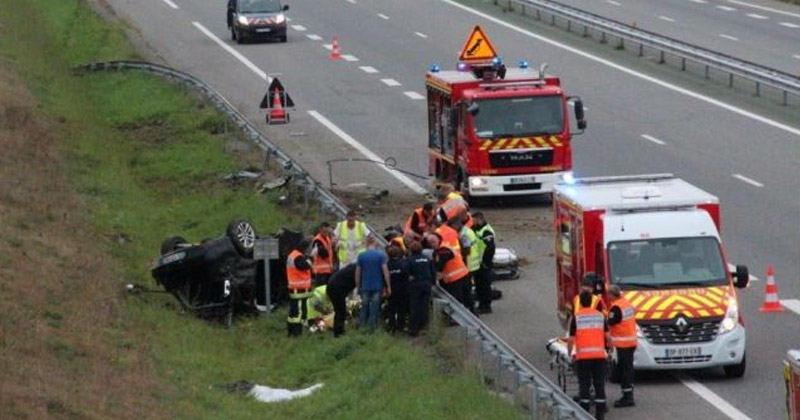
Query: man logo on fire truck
494, 130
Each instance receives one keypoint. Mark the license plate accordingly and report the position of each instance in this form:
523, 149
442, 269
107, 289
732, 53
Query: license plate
682, 352
522, 180
263, 30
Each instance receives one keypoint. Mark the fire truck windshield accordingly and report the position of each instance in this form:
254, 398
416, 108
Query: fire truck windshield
668, 262
519, 117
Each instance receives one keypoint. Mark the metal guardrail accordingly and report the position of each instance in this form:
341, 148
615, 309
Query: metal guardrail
546, 400
761, 75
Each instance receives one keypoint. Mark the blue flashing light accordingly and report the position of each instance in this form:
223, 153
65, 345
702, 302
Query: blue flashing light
523, 64
497, 61
435, 68
462, 67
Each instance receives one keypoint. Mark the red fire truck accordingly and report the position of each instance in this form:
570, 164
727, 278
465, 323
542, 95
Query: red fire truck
494, 130
657, 238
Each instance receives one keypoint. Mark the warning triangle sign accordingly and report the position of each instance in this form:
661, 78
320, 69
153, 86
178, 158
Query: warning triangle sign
276, 89
478, 47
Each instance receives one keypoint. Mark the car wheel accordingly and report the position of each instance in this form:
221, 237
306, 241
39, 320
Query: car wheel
233, 34
283, 38
243, 236
171, 244
736, 371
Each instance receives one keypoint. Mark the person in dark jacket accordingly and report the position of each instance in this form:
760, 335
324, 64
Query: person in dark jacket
485, 274
398, 277
422, 275
341, 284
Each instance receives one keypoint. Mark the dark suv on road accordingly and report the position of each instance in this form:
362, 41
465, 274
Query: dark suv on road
257, 19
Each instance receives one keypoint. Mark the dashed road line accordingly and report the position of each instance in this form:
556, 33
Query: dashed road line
366, 152
299, 28
764, 8
789, 25
707, 394
351, 1
328, 47
668, 19
750, 181
726, 8
653, 139
421, 35
699, 1
171, 4
756, 16
349, 57
391, 82
797, 56
288, 19
382, 16
414, 95
732, 38
314, 37
232, 51
792, 305
368, 69
614, 3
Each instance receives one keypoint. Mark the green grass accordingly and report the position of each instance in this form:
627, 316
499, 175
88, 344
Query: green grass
147, 158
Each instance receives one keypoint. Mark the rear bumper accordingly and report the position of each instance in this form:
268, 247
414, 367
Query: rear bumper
540, 183
270, 31
727, 349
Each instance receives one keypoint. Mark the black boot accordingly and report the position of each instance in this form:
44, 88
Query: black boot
600, 411
625, 401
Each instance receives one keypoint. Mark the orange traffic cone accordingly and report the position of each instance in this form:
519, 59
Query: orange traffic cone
277, 114
335, 55
771, 302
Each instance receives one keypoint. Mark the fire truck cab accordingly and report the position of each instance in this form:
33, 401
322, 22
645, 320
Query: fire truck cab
657, 238
495, 131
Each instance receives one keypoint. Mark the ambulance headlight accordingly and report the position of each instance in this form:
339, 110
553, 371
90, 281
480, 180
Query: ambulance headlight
478, 182
243, 20
568, 178
280, 18
731, 317
462, 67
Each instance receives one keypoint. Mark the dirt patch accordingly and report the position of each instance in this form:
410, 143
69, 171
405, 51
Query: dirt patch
66, 350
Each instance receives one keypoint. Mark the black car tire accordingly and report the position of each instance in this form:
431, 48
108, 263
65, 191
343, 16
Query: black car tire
736, 371
243, 236
233, 35
171, 244
283, 38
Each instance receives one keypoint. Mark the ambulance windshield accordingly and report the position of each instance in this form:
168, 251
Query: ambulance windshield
669, 262
519, 117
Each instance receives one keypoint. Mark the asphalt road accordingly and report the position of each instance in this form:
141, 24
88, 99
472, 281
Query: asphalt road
762, 31
372, 98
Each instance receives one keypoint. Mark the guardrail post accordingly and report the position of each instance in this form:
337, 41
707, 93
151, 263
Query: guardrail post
569, 25
510, 9
553, 20
758, 89
683, 64
707, 70
538, 14
661, 57
641, 50
785, 98
602, 37
585, 31
730, 80
522, 10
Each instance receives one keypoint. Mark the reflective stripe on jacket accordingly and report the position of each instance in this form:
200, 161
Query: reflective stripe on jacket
590, 341
623, 334
450, 238
454, 269
453, 206
296, 278
323, 265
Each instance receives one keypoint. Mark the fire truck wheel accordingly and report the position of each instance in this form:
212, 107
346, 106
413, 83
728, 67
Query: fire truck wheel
736, 371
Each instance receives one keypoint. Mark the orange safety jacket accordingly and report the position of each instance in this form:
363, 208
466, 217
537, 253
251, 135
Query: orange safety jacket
323, 265
297, 279
455, 269
623, 334
422, 222
590, 337
450, 238
576, 303
453, 205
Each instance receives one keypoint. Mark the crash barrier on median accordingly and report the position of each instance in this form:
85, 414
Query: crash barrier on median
791, 375
532, 390
784, 83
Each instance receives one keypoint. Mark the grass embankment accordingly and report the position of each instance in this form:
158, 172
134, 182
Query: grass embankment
95, 171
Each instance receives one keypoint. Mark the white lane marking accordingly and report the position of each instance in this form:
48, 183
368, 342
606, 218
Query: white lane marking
711, 397
368, 69
421, 35
732, 38
750, 181
619, 67
789, 25
668, 19
366, 152
299, 28
792, 305
414, 95
233, 52
755, 16
382, 16
614, 3
351, 1
349, 57
797, 56
391, 82
764, 8
171, 4
328, 47
314, 37
726, 8
699, 1
288, 19
653, 139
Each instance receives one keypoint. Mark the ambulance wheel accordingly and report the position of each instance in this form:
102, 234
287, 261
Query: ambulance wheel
283, 38
736, 371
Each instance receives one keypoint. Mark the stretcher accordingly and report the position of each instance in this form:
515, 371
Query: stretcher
561, 364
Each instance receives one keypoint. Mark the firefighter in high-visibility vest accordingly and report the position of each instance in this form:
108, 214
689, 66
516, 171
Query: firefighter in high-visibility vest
622, 323
417, 223
452, 205
322, 254
448, 235
452, 270
319, 303
592, 284
350, 239
298, 277
589, 337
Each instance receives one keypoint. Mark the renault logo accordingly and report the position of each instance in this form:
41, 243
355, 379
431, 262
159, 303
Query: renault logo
682, 325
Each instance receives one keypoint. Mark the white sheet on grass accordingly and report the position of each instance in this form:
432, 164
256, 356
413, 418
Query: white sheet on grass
267, 394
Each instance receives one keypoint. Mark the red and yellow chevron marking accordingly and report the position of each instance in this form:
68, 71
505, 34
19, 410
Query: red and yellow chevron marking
522, 143
667, 304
